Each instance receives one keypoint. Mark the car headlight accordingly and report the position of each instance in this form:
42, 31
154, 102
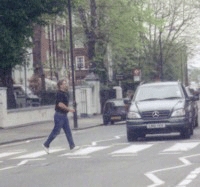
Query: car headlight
133, 115
179, 112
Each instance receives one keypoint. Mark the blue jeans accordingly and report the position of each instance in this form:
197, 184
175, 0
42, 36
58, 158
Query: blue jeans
60, 121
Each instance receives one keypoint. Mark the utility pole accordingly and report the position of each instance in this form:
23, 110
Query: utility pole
161, 56
72, 63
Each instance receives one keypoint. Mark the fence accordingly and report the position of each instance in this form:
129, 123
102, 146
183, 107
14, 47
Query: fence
88, 104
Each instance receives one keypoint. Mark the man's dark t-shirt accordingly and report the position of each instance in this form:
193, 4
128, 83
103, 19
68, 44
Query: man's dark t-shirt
63, 98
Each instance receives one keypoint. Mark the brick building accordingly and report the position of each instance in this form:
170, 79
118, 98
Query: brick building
51, 55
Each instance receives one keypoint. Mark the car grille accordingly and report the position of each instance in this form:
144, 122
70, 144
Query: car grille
161, 114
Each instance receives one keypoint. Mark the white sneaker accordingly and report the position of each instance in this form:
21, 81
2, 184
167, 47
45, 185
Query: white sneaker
75, 148
46, 149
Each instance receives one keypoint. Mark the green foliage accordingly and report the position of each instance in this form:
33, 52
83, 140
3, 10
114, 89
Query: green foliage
16, 26
17, 19
117, 26
135, 34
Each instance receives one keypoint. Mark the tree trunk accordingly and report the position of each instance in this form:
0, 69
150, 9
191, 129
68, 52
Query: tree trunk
6, 78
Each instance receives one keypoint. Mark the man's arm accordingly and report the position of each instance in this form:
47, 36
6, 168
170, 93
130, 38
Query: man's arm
64, 107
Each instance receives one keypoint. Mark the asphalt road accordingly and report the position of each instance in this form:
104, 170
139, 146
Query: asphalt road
104, 159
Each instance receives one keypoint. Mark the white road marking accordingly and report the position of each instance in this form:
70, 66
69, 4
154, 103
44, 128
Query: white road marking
182, 147
86, 151
23, 162
9, 154
38, 153
20, 164
133, 149
32, 155
6, 168
189, 178
155, 179
157, 182
115, 137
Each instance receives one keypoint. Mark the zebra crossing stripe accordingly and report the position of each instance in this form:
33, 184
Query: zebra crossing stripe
133, 149
86, 151
181, 147
8, 154
38, 153
31, 155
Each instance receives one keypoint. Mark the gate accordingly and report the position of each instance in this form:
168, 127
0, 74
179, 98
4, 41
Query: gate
83, 103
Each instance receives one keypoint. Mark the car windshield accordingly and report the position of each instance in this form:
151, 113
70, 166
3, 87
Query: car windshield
158, 92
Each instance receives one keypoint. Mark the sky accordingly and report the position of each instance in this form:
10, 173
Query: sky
194, 61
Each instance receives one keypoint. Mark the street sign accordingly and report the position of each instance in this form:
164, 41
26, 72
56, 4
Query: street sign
137, 74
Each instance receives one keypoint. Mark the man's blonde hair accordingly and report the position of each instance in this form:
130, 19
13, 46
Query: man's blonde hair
60, 82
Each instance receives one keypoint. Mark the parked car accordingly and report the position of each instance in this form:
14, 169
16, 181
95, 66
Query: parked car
24, 96
114, 110
160, 107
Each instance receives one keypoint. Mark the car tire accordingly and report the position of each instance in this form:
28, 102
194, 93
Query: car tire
105, 121
192, 128
112, 122
131, 136
186, 133
196, 122
142, 135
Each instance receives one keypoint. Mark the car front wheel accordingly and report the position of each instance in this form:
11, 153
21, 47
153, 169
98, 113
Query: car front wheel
196, 122
185, 133
131, 136
105, 120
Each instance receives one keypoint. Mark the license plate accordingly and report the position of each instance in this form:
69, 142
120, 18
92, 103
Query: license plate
155, 126
115, 117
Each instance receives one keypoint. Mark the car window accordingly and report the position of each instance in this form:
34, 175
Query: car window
18, 91
119, 103
158, 92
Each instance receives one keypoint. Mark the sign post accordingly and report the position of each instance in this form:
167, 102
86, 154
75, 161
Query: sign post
137, 75
119, 77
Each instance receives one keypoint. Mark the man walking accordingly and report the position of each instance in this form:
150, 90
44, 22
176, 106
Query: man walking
60, 117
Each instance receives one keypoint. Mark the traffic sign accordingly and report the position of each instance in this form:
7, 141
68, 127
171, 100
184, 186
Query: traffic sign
137, 74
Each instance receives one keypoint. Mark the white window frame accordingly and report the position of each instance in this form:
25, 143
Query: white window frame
80, 59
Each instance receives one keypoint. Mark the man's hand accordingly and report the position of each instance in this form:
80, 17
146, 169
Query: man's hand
71, 110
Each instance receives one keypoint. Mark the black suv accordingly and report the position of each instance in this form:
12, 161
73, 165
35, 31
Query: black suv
160, 107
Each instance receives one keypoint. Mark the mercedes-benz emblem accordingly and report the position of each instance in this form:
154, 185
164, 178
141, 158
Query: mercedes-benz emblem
155, 114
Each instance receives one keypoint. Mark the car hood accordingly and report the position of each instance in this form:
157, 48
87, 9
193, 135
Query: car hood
157, 105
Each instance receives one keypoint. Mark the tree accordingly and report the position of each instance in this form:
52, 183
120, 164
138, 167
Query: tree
162, 45
111, 24
148, 34
17, 19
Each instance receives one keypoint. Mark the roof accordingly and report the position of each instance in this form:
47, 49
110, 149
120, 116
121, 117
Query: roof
117, 102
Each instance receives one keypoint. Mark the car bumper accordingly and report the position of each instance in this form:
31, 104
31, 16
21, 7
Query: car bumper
115, 118
155, 127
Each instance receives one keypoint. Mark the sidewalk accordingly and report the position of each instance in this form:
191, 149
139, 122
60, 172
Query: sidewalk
34, 131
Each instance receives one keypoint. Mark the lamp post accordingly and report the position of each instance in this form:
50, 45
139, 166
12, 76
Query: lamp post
161, 56
72, 63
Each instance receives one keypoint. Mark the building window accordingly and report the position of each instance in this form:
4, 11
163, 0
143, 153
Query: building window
80, 62
46, 32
